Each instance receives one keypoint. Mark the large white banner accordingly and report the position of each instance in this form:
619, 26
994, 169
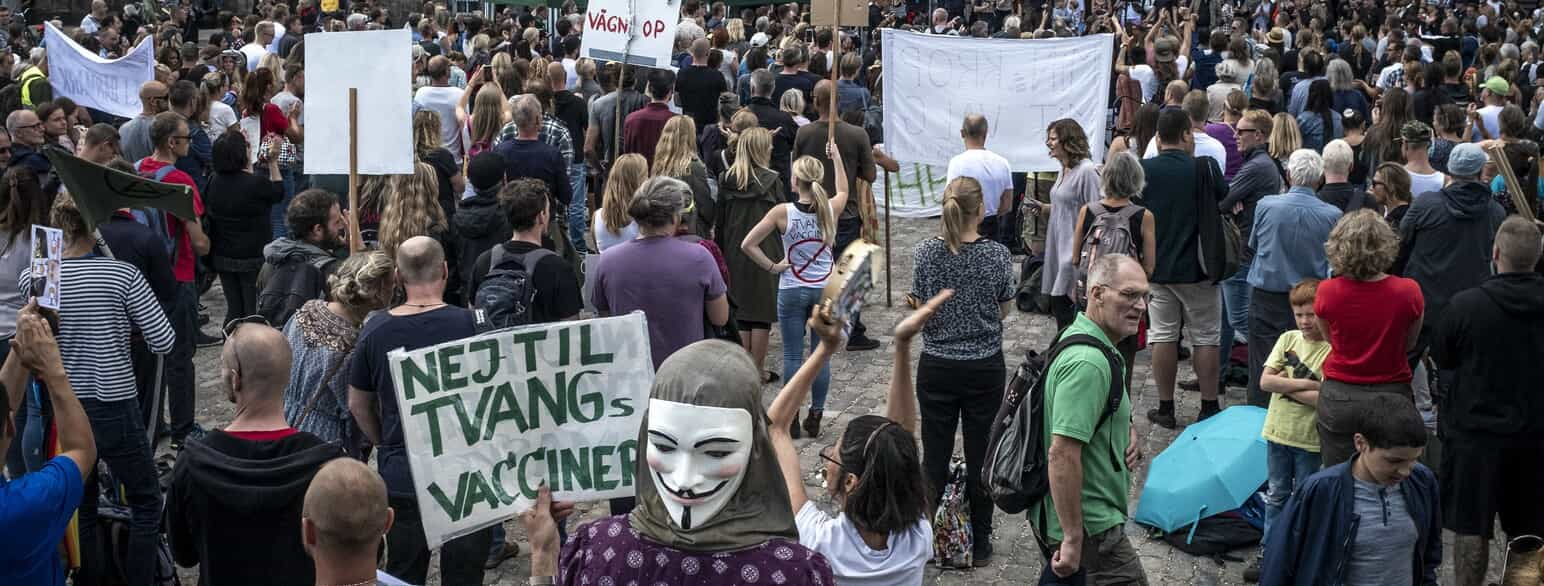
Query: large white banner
488, 419
1021, 86
916, 191
109, 85
650, 25
379, 64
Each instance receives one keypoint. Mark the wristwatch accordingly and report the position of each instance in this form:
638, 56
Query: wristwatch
541, 581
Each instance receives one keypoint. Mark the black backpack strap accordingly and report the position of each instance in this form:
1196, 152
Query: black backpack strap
1117, 373
495, 256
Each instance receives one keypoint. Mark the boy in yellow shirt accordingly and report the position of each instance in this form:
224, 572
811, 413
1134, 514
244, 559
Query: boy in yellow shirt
1292, 377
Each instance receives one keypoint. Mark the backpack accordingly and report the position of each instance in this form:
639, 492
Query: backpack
1016, 473
112, 542
1028, 297
154, 217
1110, 233
10, 97
1214, 536
293, 282
1220, 242
507, 295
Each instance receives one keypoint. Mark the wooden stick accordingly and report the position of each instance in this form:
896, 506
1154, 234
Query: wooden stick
889, 271
355, 240
836, 66
1513, 188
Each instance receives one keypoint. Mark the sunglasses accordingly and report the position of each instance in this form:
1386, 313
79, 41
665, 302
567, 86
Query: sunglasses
230, 335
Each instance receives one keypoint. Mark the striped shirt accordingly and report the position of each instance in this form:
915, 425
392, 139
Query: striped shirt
101, 301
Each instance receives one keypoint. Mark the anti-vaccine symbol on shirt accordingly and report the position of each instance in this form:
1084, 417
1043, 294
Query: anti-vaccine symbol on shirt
802, 260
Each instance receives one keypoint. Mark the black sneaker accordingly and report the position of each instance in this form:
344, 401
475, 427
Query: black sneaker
1161, 419
206, 341
861, 342
981, 554
1252, 572
1205, 413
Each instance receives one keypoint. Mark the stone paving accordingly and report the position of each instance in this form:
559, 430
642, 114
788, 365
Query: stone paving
859, 384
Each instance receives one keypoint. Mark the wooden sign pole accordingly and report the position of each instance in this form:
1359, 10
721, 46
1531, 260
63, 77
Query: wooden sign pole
836, 66
888, 269
355, 240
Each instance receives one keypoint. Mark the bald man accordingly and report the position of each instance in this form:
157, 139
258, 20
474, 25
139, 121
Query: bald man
443, 98
344, 519
240, 490
134, 135
424, 319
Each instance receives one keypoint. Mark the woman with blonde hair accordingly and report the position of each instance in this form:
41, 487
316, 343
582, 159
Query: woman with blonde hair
1285, 138
612, 225
410, 210
488, 117
793, 104
960, 374
748, 190
676, 156
449, 182
1371, 319
808, 226
321, 336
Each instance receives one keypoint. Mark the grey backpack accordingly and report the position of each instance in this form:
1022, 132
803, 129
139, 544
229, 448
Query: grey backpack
1110, 233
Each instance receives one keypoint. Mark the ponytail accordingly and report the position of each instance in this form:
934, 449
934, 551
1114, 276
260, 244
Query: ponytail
807, 174
962, 202
891, 495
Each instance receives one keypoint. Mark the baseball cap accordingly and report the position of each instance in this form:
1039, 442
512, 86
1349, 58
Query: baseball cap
485, 171
1467, 160
1497, 86
759, 39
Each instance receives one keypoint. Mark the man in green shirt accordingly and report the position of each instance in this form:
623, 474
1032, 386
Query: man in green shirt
1089, 459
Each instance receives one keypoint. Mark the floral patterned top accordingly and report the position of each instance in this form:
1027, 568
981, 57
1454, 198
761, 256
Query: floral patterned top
609, 552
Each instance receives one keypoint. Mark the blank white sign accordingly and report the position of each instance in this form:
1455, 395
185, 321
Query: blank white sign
379, 64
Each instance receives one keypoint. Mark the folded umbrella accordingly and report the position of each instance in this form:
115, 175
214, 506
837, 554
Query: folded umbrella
1211, 468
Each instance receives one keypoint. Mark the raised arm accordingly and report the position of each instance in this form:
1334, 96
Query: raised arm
785, 408
901, 406
40, 354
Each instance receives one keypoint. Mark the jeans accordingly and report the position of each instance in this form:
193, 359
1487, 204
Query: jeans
960, 394
121, 445
1235, 316
847, 230
178, 375
1286, 468
407, 552
793, 312
294, 182
578, 207
40, 415
240, 294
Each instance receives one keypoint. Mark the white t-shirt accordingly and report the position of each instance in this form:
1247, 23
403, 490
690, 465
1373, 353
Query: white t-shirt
1206, 146
1148, 78
604, 239
853, 562
443, 101
254, 54
572, 67
1491, 116
988, 168
221, 117
1422, 183
90, 25
278, 35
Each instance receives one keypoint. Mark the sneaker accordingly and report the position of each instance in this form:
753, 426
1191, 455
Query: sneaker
207, 341
1164, 420
1252, 572
1205, 413
981, 554
861, 342
812, 423
793, 427
495, 558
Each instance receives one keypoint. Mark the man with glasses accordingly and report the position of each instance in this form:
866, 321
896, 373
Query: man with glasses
1257, 177
1092, 447
27, 142
153, 99
241, 489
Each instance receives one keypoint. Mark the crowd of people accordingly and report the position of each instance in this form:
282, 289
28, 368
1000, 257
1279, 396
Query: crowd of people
1333, 205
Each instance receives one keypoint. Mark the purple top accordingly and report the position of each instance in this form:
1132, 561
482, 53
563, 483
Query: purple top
1225, 135
669, 279
609, 552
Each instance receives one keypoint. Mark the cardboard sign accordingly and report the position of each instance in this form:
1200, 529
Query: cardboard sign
854, 12
639, 32
488, 419
47, 254
109, 85
850, 281
379, 65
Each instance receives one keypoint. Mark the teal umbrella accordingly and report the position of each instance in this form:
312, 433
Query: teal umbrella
1211, 468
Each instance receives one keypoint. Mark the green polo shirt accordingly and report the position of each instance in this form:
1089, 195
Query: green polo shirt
1075, 391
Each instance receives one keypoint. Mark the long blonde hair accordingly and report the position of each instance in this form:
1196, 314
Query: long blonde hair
426, 132
487, 115
677, 148
1285, 136
792, 103
753, 150
807, 175
627, 173
411, 208
962, 203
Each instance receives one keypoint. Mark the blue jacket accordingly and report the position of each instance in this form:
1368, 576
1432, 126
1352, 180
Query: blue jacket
1311, 541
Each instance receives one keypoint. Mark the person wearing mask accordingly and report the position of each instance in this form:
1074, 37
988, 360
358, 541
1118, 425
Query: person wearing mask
808, 228
1373, 519
238, 205
443, 98
344, 519
240, 488
423, 319
1416, 141
704, 409
1372, 319
641, 129
322, 335
996, 178
748, 191
36, 509
1090, 450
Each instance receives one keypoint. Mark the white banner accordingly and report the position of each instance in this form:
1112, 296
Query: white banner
379, 64
487, 419
916, 191
649, 24
1021, 86
109, 85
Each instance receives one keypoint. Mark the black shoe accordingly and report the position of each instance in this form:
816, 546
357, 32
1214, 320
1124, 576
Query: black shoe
203, 319
981, 554
1205, 413
1164, 420
1252, 573
812, 423
861, 342
793, 427
1184, 353
205, 340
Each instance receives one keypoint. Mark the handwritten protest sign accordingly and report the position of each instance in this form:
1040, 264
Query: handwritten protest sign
642, 31
489, 418
931, 82
109, 85
916, 191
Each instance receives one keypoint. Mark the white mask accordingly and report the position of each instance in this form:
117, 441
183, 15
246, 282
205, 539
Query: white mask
697, 456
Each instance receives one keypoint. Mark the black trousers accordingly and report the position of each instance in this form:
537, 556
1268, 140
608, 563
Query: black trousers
240, 294
951, 394
407, 552
1270, 315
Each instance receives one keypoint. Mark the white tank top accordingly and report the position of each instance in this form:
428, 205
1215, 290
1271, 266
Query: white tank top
809, 257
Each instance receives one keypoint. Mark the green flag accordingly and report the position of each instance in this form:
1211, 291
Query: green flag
99, 191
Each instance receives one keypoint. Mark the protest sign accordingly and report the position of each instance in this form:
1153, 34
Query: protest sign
47, 254
99, 191
487, 419
1021, 86
916, 191
851, 282
642, 31
378, 64
109, 85
853, 12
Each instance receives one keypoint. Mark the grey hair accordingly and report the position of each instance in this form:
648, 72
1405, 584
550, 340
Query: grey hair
1123, 176
1337, 157
527, 111
762, 82
1305, 167
1340, 76
1102, 272
1509, 51
357, 21
1011, 22
659, 201
13, 120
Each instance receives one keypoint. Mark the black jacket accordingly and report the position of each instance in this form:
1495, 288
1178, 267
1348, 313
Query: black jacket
783, 129
236, 209
1493, 335
1341, 195
234, 507
481, 223
1445, 243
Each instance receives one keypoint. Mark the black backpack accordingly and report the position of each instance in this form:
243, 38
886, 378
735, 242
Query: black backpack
291, 284
1028, 297
1016, 460
507, 295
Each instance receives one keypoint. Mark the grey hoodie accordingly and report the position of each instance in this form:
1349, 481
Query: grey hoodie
1445, 242
281, 248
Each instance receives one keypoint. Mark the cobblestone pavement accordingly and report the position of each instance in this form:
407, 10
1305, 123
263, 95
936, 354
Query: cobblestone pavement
858, 386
